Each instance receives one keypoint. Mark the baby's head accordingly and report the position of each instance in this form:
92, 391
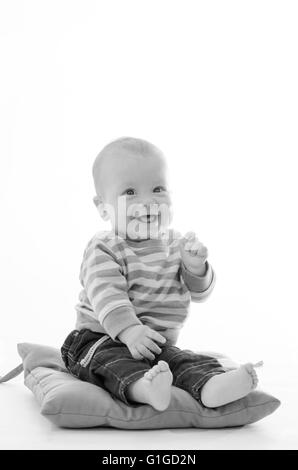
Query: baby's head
131, 183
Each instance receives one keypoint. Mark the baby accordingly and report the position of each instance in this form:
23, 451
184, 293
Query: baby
138, 280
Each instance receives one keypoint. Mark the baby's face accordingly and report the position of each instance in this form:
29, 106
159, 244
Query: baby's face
136, 195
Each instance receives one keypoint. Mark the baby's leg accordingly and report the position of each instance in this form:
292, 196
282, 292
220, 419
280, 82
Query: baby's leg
230, 386
154, 388
111, 366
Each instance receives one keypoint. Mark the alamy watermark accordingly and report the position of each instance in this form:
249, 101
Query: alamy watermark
139, 220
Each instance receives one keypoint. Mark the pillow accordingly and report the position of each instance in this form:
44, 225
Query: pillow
71, 403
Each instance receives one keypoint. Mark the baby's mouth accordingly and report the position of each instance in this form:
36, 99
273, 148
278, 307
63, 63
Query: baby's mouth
148, 218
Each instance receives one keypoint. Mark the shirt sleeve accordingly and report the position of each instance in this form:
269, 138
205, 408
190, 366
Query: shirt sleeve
106, 288
200, 287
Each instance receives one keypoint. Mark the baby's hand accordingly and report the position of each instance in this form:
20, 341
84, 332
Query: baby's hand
193, 253
141, 341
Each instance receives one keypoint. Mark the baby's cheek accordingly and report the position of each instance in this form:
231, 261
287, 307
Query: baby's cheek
166, 213
164, 199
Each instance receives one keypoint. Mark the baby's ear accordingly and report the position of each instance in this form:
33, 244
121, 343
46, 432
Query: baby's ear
96, 201
100, 206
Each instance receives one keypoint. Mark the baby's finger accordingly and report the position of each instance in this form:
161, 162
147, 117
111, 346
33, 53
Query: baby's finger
145, 352
189, 235
188, 246
197, 246
152, 346
203, 252
156, 336
135, 354
192, 248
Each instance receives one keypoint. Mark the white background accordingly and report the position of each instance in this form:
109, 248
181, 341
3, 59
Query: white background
214, 85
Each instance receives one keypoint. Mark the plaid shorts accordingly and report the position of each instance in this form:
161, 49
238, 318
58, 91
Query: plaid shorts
98, 359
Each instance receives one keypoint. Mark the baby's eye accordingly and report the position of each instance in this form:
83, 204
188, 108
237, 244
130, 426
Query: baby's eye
129, 191
160, 187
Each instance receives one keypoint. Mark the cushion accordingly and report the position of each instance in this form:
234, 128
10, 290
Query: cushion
71, 403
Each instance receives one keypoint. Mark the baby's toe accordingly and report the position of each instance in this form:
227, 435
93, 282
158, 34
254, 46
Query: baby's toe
253, 374
254, 379
259, 364
163, 366
155, 370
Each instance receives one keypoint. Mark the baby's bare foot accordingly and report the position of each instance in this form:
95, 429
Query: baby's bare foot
154, 388
229, 386
249, 368
245, 379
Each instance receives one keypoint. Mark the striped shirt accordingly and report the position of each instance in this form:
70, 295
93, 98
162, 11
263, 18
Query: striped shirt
127, 282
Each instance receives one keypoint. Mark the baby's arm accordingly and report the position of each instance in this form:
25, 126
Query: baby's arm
106, 287
196, 271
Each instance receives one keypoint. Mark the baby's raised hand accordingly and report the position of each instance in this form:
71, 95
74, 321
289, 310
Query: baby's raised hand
193, 253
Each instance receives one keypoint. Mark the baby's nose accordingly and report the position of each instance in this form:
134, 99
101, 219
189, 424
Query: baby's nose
147, 208
146, 203
151, 207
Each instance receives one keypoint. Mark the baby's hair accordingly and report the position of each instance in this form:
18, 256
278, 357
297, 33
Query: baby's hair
139, 147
